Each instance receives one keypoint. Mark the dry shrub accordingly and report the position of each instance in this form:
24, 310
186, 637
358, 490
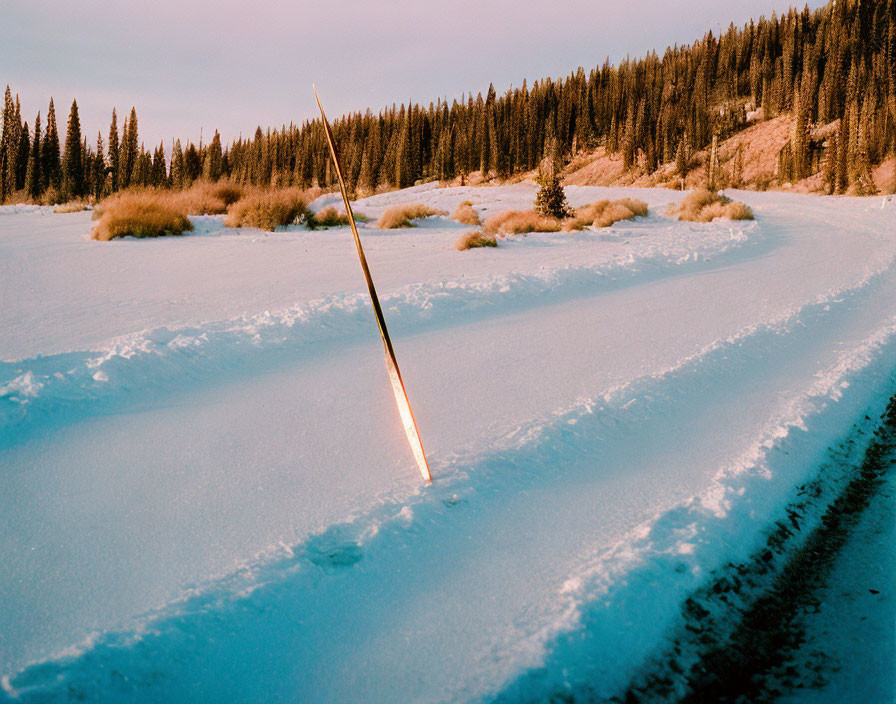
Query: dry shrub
73, 206
465, 214
330, 217
638, 207
604, 213
51, 196
209, 198
140, 214
267, 210
472, 240
693, 204
701, 205
401, 215
613, 214
739, 211
708, 212
586, 215
228, 191
517, 222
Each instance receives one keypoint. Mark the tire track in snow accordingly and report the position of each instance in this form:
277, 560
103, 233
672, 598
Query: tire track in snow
743, 632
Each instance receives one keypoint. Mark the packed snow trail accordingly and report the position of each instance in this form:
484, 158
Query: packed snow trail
567, 434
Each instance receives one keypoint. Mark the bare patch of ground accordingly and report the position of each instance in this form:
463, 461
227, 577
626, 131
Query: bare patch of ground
884, 176
756, 146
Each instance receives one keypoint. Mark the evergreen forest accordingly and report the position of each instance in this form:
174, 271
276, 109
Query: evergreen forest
832, 69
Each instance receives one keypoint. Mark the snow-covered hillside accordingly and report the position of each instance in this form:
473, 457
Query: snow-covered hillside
206, 493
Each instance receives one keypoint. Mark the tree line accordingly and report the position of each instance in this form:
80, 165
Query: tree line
834, 67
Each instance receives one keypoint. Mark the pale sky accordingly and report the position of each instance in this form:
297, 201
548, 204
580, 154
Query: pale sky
191, 64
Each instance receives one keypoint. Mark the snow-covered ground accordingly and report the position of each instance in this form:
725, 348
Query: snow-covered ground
206, 493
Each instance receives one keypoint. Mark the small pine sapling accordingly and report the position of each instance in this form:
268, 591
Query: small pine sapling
551, 199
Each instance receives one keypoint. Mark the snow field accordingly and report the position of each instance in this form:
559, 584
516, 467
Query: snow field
608, 415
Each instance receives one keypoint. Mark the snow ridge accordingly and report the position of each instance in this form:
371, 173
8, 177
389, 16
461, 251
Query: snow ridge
33, 390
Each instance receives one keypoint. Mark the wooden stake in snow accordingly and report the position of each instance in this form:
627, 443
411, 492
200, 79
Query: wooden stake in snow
401, 396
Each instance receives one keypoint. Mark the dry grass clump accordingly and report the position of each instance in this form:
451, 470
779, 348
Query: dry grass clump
140, 214
604, 213
586, 215
73, 206
735, 210
52, 197
471, 240
613, 214
638, 207
330, 217
267, 210
202, 198
518, 222
401, 215
701, 205
465, 214
207, 198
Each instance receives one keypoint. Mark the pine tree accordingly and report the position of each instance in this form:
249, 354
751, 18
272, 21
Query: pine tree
22, 157
366, 177
72, 165
192, 164
177, 166
129, 151
16, 168
485, 149
159, 167
843, 155
123, 172
98, 172
629, 139
214, 159
114, 175
551, 198
403, 177
862, 180
9, 148
86, 165
891, 69
682, 157
798, 139
33, 173
830, 166
142, 173
51, 168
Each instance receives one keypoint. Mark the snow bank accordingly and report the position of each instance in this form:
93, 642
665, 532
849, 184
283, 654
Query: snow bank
619, 618
26, 208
